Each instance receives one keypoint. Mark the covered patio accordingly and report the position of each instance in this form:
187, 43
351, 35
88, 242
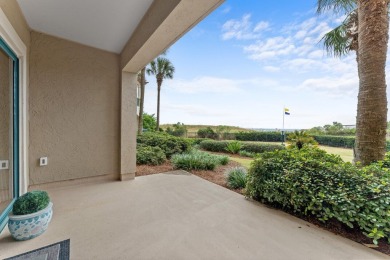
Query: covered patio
177, 215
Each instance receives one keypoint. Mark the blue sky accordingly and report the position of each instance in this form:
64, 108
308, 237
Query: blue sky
248, 59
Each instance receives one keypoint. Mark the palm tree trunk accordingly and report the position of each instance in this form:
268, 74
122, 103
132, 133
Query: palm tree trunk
371, 120
141, 102
158, 106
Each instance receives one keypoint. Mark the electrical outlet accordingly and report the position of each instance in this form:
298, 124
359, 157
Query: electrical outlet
4, 165
43, 161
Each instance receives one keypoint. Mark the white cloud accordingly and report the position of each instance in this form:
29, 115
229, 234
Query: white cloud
316, 54
271, 69
270, 48
261, 26
243, 29
347, 84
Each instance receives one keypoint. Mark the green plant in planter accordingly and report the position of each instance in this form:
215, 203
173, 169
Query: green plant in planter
31, 202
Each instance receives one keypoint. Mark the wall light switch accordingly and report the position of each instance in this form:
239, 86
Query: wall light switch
43, 161
4, 164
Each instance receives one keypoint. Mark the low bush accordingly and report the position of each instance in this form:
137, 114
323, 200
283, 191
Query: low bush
233, 147
31, 202
214, 146
244, 153
261, 148
194, 141
197, 160
169, 144
310, 181
150, 155
236, 177
259, 136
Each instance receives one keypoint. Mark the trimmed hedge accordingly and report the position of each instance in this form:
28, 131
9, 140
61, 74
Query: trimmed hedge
259, 136
311, 182
168, 143
214, 146
261, 148
221, 146
335, 141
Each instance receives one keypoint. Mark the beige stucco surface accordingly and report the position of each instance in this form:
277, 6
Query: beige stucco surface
74, 110
128, 125
170, 216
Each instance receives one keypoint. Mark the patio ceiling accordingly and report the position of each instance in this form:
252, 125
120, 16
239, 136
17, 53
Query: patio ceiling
102, 24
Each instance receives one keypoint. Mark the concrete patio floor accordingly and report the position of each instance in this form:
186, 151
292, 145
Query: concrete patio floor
178, 216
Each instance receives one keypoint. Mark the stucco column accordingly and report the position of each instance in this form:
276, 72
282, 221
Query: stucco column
128, 125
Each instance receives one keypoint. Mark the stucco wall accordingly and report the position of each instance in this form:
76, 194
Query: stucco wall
74, 110
15, 16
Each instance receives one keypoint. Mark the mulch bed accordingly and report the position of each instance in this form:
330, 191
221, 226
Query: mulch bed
218, 177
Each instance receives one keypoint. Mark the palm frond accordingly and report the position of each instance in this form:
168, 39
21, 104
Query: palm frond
152, 70
337, 6
336, 42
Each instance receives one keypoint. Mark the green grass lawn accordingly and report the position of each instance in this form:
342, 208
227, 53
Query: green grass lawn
243, 161
345, 153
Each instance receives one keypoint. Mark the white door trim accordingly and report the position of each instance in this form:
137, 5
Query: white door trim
11, 37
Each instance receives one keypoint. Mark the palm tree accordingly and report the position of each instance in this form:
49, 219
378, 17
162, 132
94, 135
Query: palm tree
142, 82
299, 139
365, 31
162, 68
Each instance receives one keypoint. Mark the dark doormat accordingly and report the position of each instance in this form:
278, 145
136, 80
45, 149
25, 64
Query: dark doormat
57, 251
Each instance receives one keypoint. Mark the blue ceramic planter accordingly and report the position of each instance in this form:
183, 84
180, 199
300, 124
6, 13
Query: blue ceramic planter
24, 227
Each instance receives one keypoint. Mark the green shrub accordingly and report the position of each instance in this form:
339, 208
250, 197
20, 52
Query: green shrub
259, 136
194, 141
169, 144
31, 202
149, 122
233, 147
214, 146
236, 177
261, 148
150, 155
244, 153
197, 160
207, 133
310, 181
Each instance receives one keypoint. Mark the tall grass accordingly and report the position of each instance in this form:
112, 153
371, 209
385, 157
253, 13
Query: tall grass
236, 177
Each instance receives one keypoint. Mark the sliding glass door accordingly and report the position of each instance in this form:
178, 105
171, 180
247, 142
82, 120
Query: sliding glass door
9, 130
